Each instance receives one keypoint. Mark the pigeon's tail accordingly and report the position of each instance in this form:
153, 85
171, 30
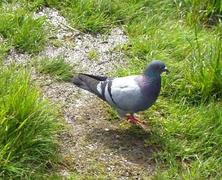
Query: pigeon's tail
88, 82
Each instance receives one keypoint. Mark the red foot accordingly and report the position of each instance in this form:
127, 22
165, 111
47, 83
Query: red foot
134, 120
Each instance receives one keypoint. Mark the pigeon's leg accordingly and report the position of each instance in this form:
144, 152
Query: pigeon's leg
132, 119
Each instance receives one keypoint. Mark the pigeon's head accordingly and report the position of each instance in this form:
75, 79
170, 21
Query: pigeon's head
155, 68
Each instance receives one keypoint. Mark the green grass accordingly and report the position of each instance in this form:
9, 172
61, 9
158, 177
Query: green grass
28, 127
99, 16
200, 11
188, 139
94, 16
22, 31
186, 120
56, 67
4, 48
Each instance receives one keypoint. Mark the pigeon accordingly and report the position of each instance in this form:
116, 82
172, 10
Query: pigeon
129, 94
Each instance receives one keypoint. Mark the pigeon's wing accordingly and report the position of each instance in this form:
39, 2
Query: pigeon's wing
90, 83
124, 93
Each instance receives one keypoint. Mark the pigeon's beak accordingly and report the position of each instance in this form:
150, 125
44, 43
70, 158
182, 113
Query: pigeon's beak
166, 70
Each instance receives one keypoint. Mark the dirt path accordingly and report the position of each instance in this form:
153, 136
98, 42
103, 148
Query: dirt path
92, 146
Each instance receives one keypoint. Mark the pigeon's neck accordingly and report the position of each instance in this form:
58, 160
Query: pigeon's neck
151, 73
152, 77
152, 85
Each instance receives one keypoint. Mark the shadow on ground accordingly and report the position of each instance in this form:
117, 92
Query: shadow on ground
128, 143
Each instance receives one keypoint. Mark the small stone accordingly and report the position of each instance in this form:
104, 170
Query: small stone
117, 136
65, 173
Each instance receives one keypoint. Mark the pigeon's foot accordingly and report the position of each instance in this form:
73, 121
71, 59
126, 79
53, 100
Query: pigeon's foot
134, 120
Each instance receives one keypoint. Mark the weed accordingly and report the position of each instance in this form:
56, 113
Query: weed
93, 55
56, 67
56, 42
